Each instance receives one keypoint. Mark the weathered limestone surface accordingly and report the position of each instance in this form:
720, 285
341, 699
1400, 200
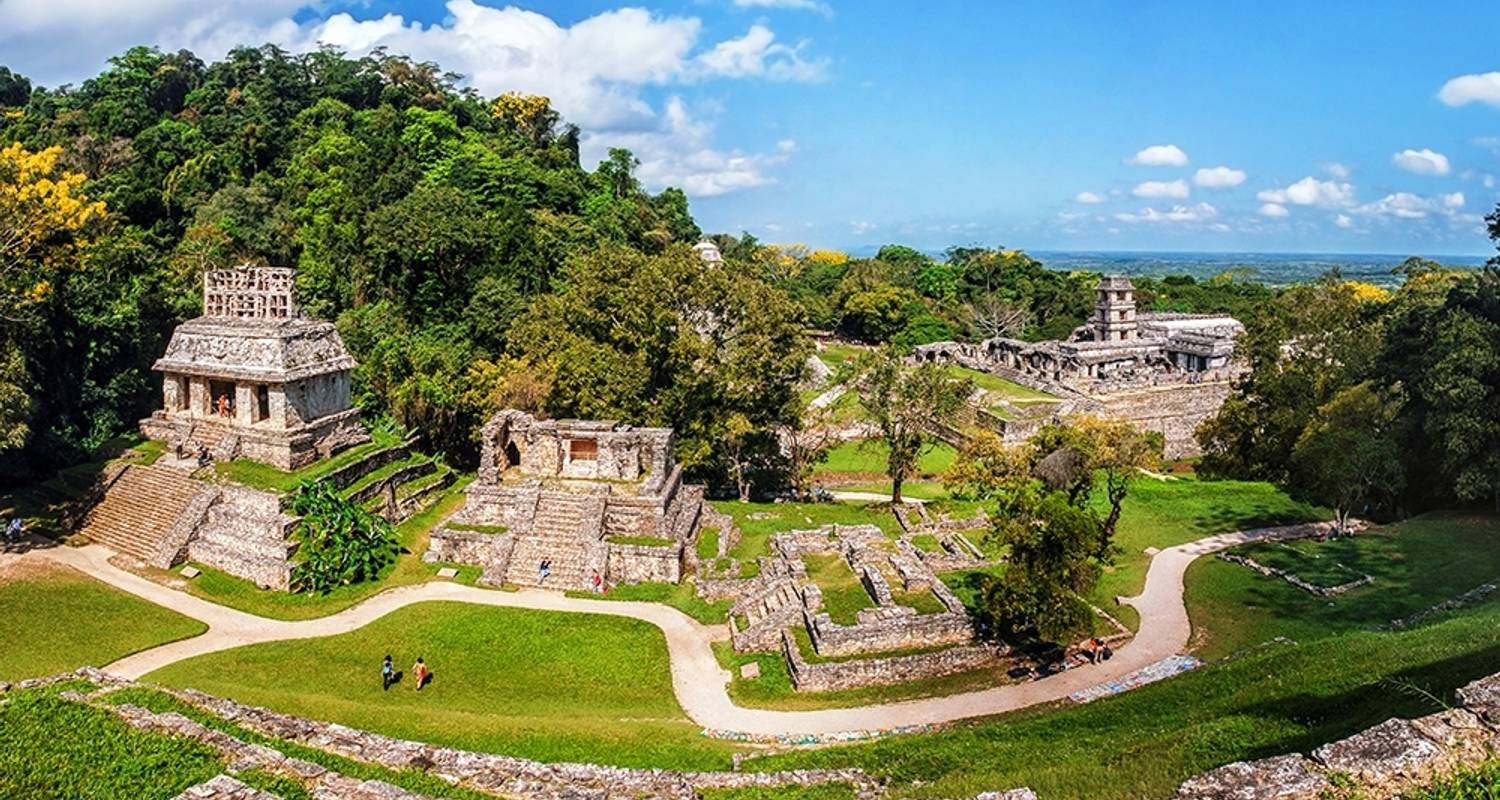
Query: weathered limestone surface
1278, 778
223, 787
833, 676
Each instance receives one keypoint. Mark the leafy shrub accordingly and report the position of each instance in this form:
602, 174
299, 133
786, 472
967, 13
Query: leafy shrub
340, 541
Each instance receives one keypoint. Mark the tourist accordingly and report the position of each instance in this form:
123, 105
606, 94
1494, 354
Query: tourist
598, 582
543, 570
387, 674
420, 673
13, 531
223, 405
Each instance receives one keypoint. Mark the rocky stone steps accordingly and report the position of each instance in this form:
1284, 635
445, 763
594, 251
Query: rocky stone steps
570, 568
139, 509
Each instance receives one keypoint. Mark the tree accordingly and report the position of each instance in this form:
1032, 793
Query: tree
1112, 447
1346, 458
1052, 562
989, 317
340, 541
805, 445
908, 405
985, 468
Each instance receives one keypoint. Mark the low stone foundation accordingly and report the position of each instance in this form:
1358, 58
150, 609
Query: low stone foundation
831, 676
633, 563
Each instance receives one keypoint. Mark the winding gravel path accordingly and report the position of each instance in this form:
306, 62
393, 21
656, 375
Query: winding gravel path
700, 683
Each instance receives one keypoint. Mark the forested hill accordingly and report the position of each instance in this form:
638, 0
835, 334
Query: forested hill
422, 216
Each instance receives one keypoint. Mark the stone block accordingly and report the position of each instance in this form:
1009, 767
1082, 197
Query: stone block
1392, 750
1483, 698
750, 670
447, 572
1289, 777
189, 572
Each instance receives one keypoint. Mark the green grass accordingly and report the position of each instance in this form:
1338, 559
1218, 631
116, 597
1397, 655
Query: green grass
381, 473
54, 748
413, 534
1142, 744
866, 458
1480, 782
271, 479
708, 543
495, 529
1318, 563
910, 490
757, 521
1416, 564
839, 355
54, 620
160, 702
681, 596
544, 685
844, 594
927, 543
997, 385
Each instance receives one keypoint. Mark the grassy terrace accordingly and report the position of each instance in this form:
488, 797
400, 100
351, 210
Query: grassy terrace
844, 595
757, 521
54, 619
997, 386
552, 686
1416, 564
263, 476
408, 569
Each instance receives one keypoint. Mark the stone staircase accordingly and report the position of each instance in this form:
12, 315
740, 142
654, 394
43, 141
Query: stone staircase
766, 612
573, 562
139, 509
568, 515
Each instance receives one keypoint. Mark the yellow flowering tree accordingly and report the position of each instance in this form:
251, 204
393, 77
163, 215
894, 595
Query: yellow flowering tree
527, 114
44, 222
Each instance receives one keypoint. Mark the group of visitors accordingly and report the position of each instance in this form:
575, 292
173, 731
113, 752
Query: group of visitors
544, 571
13, 531
390, 677
1096, 651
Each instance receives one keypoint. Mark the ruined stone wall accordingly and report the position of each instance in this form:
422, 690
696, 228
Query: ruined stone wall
893, 630
246, 534
317, 397
1382, 762
630, 563
834, 676
462, 547
1173, 410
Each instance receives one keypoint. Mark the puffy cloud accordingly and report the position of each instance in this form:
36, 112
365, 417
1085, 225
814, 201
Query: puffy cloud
1276, 210
1219, 177
1153, 189
1160, 155
1405, 205
681, 153
1089, 198
1344, 221
1310, 192
1337, 170
1422, 162
756, 54
1477, 88
1177, 214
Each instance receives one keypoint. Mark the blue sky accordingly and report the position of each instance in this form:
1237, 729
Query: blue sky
1339, 126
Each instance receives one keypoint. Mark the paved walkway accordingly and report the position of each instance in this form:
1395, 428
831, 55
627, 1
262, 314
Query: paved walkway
700, 683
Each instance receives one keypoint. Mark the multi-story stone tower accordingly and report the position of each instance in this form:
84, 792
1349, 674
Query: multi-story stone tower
253, 378
1114, 310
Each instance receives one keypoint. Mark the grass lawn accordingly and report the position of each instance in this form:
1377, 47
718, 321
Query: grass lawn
53, 619
997, 385
536, 684
1416, 564
1167, 513
681, 596
53, 748
225, 589
838, 355
865, 459
269, 478
1144, 743
757, 521
844, 594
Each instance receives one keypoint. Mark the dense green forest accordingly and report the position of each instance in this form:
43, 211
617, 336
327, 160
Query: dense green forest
472, 262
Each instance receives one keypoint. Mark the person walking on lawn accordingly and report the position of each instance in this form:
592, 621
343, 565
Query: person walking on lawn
420, 672
387, 674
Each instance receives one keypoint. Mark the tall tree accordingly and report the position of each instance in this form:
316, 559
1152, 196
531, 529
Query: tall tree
1347, 458
908, 405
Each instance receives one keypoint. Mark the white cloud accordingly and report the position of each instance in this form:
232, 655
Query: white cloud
756, 54
1089, 198
681, 153
1476, 88
794, 5
1422, 162
1177, 214
1219, 177
1405, 205
860, 227
1160, 155
1344, 221
1309, 192
1454, 200
1176, 190
1337, 170
1273, 210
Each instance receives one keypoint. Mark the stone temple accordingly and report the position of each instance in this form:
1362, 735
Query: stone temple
253, 378
1163, 371
585, 496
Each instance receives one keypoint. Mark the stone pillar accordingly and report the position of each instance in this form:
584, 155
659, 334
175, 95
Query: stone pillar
198, 397
244, 404
171, 401
277, 418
